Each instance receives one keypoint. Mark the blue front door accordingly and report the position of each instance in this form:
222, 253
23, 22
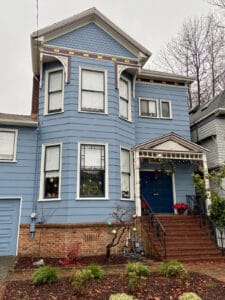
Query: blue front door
156, 187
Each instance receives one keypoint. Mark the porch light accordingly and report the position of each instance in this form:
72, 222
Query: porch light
134, 229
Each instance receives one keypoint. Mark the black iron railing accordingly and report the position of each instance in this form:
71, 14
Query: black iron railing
197, 207
155, 225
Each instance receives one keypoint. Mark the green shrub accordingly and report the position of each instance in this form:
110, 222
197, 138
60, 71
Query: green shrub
173, 268
96, 271
189, 296
137, 269
121, 297
45, 274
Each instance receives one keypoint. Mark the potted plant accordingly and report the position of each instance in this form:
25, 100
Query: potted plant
180, 207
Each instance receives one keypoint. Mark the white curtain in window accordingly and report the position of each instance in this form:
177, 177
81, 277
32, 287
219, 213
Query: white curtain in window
55, 101
152, 107
55, 81
52, 161
92, 100
7, 141
93, 157
93, 80
124, 89
125, 184
123, 108
125, 161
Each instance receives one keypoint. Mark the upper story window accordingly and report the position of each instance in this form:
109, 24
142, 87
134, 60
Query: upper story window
8, 139
165, 109
125, 169
93, 91
51, 172
93, 171
54, 91
125, 99
148, 108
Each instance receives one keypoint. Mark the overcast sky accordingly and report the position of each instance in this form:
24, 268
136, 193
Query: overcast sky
152, 23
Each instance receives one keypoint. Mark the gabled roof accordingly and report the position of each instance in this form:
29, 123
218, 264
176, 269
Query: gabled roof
214, 107
83, 18
18, 120
170, 142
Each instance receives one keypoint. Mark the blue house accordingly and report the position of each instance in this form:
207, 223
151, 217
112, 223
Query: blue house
103, 132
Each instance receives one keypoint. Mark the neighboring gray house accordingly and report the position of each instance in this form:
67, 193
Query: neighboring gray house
207, 124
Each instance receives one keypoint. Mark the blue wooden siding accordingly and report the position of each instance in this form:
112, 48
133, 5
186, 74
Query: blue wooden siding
150, 128
91, 38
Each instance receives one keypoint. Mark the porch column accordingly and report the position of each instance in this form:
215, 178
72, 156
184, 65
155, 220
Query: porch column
137, 183
205, 168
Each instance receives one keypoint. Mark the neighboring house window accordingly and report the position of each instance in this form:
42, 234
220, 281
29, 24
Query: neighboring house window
125, 173
8, 140
92, 171
148, 108
54, 96
93, 91
125, 103
165, 109
51, 175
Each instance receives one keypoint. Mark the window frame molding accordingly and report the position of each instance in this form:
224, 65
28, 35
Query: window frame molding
42, 173
106, 171
131, 198
46, 104
15, 131
170, 109
129, 110
157, 107
93, 69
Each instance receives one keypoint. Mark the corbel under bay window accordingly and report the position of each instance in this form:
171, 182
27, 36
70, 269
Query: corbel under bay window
93, 91
125, 99
54, 91
126, 174
8, 141
50, 186
93, 181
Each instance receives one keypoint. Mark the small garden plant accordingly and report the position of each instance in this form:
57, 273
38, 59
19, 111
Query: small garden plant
189, 296
135, 272
121, 297
80, 278
72, 255
45, 274
173, 268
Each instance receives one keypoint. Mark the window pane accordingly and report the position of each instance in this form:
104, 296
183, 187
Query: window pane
92, 101
92, 183
92, 80
55, 101
51, 189
125, 161
55, 81
52, 161
124, 89
7, 140
125, 185
92, 157
123, 108
165, 107
144, 107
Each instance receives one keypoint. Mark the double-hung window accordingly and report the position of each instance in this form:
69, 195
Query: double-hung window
125, 174
8, 140
92, 171
51, 173
93, 94
149, 108
165, 109
54, 91
125, 103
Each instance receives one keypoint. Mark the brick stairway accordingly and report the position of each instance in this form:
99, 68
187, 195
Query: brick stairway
186, 241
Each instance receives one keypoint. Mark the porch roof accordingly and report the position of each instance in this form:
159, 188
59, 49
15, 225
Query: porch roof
170, 146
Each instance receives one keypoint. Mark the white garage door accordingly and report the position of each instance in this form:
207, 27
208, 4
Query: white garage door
9, 224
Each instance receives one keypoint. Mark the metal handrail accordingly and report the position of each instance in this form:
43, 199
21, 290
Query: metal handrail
196, 205
157, 228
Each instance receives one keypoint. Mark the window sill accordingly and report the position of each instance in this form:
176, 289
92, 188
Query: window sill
127, 199
129, 121
54, 113
91, 199
8, 161
49, 199
148, 117
92, 112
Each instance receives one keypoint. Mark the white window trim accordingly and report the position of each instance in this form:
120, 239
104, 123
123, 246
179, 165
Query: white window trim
129, 119
105, 89
41, 190
106, 171
15, 145
170, 108
157, 107
47, 72
131, 198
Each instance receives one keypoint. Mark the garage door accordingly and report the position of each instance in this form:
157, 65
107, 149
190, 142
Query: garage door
9, 220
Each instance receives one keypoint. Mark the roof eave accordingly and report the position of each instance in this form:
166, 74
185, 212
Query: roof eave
24, 123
